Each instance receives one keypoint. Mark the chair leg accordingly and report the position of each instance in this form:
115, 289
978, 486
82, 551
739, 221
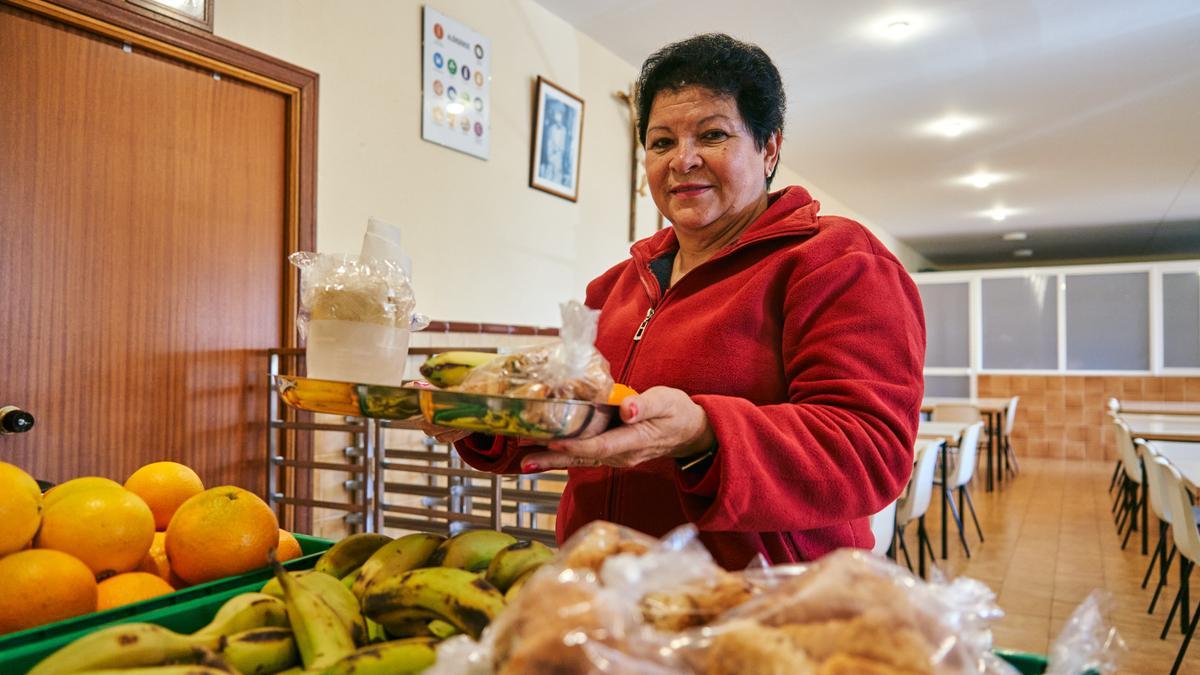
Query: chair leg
1162, 578
962, 533
1180, 598
1012, 452
924, 545
1187, 639
1120, 497
971, 505
1145, 514
1158, 552
904, 550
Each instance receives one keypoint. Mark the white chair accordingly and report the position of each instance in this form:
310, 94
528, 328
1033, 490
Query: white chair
1184, 529
1010, 455
1130, 497
915, 503
883, 526
1112, 407
1156, 492
958, 480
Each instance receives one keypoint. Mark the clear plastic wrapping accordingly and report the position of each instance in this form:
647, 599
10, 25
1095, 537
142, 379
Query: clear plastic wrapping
570, 368
339, 287
616, 601
1088, 643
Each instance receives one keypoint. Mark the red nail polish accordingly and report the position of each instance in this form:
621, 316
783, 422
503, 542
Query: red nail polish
633, 411
529, 467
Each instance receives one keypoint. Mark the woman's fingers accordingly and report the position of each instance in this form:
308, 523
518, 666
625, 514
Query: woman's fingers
546, 461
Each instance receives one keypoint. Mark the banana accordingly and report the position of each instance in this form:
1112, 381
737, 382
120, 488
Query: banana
184, 669
517, 585
260, 651
449, 369
322, 637
398, 657
246, 611
350, 553
472, 550
340, 599
375, 632
349, 579
459, 597
394, 558
442, 630
129, 645
515, 560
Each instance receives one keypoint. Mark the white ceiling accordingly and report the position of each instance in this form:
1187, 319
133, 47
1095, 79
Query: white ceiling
1090, 107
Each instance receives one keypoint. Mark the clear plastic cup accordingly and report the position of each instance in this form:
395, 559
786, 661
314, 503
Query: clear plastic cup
354, 351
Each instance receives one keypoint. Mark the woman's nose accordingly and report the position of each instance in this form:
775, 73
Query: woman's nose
685, 158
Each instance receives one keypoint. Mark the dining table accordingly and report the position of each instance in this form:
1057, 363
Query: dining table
1164, 427
1191, 408
948, 433
993, 409
1185, 457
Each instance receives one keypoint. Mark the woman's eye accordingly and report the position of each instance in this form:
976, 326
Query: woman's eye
660, 143
715, 135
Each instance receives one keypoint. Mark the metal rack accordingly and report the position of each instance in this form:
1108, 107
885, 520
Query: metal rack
450, 496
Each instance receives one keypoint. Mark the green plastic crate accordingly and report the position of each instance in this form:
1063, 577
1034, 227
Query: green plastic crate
183, 611
1024, 662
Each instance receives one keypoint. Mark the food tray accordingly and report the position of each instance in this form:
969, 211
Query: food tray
540, 419
183, 611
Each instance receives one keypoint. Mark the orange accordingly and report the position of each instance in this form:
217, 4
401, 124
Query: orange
155, 561
619, 393
41, 586
219, 532
20, 508
86, 483
109, 528
288, 547
128, 588
164, 486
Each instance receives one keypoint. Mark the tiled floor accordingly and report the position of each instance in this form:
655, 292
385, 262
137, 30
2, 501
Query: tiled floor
1050, 542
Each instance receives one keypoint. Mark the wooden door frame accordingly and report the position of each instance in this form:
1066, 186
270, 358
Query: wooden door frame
149, 32
144, 30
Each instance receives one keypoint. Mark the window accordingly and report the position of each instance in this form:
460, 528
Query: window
1108, 326
1181, 319
947, 323
1020, 323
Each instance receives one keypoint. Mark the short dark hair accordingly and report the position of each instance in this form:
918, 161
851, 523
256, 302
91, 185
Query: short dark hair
722, 65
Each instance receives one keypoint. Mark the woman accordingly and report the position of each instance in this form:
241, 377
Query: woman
779, 353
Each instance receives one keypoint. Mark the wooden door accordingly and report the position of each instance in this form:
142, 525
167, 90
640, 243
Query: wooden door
146, 206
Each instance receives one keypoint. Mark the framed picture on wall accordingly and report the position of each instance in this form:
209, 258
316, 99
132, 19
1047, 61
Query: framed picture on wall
196, 13
557, 140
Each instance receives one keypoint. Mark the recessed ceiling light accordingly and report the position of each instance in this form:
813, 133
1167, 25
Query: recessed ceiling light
455, 108
898, 29
1015, 236
982, 179
1023, 252
952, 126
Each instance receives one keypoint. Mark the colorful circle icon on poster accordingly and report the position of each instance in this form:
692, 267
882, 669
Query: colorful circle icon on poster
438, 89
438, 31
466, 124
437, 60
451, 93
452, 66
479, 104
466, 72
479, 51
478, 129
478, 79
438, 115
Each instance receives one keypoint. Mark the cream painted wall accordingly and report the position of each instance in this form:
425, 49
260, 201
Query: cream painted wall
485, 246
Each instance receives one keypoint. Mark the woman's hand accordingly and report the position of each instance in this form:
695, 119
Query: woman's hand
661, 422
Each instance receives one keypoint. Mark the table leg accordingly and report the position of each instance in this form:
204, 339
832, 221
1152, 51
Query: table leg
945, 500
989, 454
1001, 458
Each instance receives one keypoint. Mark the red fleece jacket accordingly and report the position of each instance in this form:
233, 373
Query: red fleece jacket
804, 342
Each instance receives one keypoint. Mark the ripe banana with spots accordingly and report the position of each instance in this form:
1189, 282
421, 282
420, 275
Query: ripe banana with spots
350, 553
395, 558
246, 611
334, 592
398, 657
514, 560
449, 369
322, 637
456, 596
178, 669
472, 550
129, 645
260, 651
515, 588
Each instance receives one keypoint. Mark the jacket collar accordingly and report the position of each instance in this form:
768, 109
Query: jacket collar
790, 212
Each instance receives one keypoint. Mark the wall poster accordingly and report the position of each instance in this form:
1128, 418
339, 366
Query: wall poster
455, 85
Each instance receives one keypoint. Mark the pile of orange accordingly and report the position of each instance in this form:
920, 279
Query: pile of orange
92, 543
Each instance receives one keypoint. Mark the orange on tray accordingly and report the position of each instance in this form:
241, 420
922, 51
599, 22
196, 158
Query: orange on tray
289, 548
164, 486
220, 532
40, 586
110, 529
128, 588
20, 508
156, 562
619, 393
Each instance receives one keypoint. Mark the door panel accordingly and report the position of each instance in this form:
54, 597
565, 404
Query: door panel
143, 221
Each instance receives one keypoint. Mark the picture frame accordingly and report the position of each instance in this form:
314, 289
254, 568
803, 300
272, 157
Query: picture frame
557, 143
196, 13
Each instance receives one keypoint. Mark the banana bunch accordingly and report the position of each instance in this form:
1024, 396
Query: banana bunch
449, 369
515, 563
337, 398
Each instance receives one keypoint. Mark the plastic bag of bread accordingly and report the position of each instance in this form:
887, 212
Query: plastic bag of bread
570, 368
338, 287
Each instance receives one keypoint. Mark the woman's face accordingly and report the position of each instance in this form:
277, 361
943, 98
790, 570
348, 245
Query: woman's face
702, 165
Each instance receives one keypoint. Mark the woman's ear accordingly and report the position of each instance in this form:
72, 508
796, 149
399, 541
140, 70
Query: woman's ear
771, 152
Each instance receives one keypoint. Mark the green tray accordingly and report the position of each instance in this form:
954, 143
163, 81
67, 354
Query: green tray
183, 611
1024, 662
